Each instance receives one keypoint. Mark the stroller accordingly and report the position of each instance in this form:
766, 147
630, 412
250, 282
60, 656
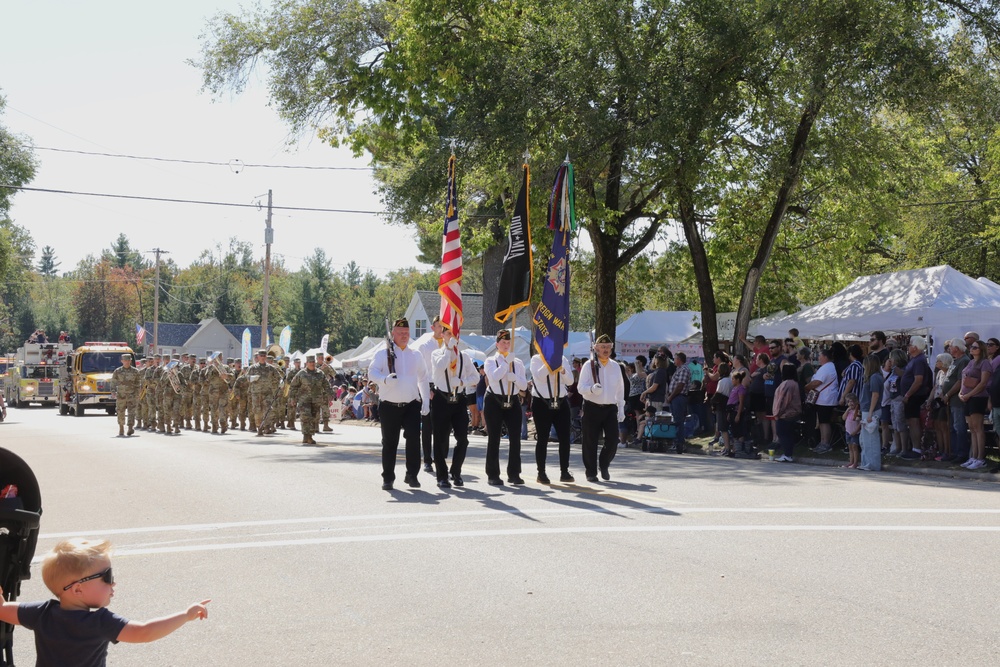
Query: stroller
19, 518
660, 432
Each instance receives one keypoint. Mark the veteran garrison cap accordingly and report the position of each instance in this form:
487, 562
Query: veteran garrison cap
401, 322
503, 334
603, 338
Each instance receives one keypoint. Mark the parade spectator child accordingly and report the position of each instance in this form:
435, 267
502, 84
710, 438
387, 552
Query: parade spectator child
719, 406
76, 628
737, 410
897, 361
852, 429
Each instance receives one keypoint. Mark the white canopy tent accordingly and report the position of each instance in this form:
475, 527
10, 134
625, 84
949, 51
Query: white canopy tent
937, 301
652, 328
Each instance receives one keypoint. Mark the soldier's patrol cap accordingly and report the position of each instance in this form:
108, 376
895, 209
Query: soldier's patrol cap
310, 358
401, 322
157, 356
202, 360
127, 356
503, 334
299, 360
229, 360
603, 338
262, 352
177, 357
184, 355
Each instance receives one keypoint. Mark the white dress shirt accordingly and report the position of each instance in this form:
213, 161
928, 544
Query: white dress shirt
410, 383
545, 382
500, 376
612, 389
426, 348
461, 378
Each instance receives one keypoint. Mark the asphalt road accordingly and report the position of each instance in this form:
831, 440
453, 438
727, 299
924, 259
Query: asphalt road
679, 560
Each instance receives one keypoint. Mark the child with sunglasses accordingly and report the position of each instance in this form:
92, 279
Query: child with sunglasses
77, 628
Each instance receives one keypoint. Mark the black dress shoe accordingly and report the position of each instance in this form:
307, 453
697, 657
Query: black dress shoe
543, 478
591, 478
457, 479
605, 475
444, 484
495, 481
412, 481
566, 477
387, 486
515, 480
428, 468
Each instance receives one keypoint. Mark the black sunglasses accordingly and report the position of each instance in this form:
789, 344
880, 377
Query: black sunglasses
106, 575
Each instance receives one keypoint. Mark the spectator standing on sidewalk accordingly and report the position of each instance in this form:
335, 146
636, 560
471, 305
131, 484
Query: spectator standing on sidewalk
974, 393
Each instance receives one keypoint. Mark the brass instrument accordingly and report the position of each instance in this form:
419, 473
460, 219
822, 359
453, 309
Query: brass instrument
172, 376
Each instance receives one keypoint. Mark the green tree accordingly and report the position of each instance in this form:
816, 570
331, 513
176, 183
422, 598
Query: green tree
47, 264
122, 254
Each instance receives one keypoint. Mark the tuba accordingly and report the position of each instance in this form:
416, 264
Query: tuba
276, 351
173, 377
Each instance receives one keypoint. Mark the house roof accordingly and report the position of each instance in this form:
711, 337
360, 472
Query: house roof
177, 335
472, 307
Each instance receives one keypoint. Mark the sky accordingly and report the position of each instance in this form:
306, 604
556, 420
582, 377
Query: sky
112, 77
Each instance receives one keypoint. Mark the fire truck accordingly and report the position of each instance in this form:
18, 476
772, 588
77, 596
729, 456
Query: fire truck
6, 363
87, 377
35, 375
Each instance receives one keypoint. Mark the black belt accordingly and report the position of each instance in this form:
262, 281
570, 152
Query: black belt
397, 405
515, 400
451, 398
600, 405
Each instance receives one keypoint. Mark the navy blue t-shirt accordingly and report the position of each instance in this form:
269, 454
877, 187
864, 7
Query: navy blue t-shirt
70, 636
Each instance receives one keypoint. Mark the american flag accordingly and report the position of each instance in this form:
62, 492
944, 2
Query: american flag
140, 334
450, 286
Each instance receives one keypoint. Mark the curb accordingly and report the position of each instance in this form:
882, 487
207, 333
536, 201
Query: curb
993, 478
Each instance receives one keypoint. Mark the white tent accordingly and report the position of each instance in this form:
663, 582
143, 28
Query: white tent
937, 301
652, 328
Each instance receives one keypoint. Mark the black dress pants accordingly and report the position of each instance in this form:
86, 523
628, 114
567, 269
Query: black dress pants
598, 419
396, 418
545, 418
449, 417
496, 415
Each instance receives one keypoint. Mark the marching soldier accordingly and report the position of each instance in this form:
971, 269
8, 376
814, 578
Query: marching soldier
401, 375
169, 399
241, 396
453, 372
205, 397
603, 389
147, 365
236, 369
264, 381
310, 390
327, 369
184, 372
152, 383
293, 369
126, 383
550, 407
505, 378
217, 378
194, 388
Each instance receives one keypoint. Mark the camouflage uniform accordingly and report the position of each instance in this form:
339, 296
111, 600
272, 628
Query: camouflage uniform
328, 373
290, 403
143, 373
126, 383
206, 414
152, 390
196, 380
169, 404
311, 391
264, 382
217, 379
233, 405
241, 397
186, 392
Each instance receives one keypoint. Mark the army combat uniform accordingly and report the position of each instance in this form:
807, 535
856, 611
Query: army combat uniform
310, 391
126, 382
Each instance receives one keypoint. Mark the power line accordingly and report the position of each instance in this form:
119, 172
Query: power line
213, 163
171, 200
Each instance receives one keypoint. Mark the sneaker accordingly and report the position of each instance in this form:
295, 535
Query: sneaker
977, 464
785, 459
910, 455
968, 463
917, 450
823, 449
894, 451
865, 468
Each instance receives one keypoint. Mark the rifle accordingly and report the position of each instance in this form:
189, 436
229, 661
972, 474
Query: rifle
390, 353
593, 362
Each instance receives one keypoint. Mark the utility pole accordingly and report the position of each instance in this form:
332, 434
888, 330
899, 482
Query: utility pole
268, 240
156, 298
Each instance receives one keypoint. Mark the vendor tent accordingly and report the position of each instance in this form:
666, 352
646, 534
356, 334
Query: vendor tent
937, 301
652, 328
